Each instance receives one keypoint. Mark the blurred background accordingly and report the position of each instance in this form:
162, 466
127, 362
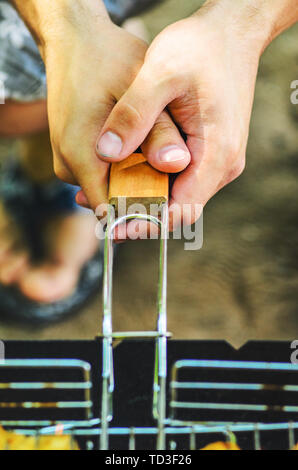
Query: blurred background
243, 283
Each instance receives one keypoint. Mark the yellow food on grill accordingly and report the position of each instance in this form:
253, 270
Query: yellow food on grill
222, 446
12, 441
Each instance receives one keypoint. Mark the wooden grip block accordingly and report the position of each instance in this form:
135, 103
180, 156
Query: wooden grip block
136, 180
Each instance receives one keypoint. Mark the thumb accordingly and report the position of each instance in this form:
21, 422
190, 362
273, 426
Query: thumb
132, 118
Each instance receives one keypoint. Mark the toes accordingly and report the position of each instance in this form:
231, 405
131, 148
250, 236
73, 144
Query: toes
49, 283
13, 258
14, 267
74, 241
6, 247
71, 243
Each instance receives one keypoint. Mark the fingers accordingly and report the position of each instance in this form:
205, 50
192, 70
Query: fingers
216, 165
81, 199
75, 159
132, 119
13, 267
92, 177
84, 169
90, 174
62, 172
92, 181
190, 192
197, 184
165, 148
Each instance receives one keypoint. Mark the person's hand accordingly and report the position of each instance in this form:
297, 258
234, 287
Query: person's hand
90, 63
86, 75
203, 69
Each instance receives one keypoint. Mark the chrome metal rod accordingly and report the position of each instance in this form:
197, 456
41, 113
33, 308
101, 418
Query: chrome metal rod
159, 384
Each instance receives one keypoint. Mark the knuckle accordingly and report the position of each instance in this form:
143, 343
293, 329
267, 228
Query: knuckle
239, 168
59, 171
231, 148
64, 141
167, 70
236, 170
128, 116
163, 126
224, 140
165, 73
66, 150
134, 70
168, 78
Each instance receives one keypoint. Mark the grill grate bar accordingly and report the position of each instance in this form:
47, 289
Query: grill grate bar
172, 430
266, 366
232, 406
39, 405
232, 386
45, 386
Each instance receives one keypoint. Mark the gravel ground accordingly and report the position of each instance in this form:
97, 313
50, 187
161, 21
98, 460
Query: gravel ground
243, 283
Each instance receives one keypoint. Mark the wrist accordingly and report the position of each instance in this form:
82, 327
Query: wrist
256, 22
50, 20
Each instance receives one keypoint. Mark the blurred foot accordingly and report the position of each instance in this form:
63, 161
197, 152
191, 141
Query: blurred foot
70, 242
14, 255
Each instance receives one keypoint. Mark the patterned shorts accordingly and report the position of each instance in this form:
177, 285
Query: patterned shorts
22, 72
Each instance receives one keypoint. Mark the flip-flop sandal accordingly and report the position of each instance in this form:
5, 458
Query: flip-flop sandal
120, 10
29, 204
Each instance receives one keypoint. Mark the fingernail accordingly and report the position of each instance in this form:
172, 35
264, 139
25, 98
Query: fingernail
109, 145
172, 153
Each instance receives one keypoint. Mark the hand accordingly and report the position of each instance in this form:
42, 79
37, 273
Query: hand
203, 69
90, 63
84, 83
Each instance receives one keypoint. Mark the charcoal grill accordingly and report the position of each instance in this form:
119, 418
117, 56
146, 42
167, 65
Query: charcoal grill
206, 399
201, 400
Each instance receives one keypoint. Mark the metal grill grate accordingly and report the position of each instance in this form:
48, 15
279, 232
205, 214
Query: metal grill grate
209, 400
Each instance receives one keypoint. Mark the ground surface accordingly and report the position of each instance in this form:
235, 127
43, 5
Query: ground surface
243, 283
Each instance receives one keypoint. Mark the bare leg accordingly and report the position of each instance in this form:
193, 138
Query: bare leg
21, 119
71, 240
36, 157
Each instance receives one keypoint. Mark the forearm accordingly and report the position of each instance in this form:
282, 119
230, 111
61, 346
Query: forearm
48, 19
284, 14
263, 20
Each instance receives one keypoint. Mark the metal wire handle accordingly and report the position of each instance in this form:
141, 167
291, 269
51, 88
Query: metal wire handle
160, 369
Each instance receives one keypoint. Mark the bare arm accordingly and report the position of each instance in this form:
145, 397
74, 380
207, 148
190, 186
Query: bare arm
90, 63
269, 17
46, 18
285, 14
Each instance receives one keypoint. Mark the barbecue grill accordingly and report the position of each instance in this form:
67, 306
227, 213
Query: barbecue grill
150, 392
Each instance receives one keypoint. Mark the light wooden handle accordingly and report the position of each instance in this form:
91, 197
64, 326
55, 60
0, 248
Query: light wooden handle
136, 180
